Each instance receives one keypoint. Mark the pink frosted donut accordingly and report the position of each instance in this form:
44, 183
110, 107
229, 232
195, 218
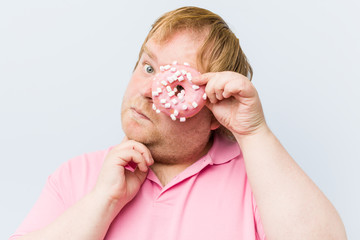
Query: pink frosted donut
173, 92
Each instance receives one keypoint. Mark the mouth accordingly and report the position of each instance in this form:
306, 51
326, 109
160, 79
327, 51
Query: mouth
138, 113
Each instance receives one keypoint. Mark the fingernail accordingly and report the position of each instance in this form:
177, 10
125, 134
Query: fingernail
197, 78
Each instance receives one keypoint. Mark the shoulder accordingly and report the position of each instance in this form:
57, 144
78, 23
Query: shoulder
77, 176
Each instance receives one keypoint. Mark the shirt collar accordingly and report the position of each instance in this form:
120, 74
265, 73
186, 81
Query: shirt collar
222, 150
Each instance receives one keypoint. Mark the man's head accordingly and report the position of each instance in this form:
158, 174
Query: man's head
219, 50
191, 35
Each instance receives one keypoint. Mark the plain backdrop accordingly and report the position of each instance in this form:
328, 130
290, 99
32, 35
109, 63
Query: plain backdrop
64, 66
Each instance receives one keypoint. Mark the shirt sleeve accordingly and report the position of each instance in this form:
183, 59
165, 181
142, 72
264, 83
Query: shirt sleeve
260, 234
67, 185
47, 208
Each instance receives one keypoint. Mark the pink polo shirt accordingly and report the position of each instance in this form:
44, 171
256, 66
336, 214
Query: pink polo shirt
211, 199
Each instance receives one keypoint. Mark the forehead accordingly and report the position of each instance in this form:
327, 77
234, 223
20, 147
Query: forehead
182, 47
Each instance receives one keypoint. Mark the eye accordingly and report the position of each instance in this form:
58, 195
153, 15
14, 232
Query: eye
148, 68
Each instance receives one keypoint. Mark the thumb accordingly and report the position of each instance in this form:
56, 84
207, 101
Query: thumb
140, 174
209, 105
125, 139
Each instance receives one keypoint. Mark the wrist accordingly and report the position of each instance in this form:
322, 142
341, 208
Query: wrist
260, 132
110, 206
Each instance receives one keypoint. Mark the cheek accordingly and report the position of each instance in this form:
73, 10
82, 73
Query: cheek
194, 127
131, 88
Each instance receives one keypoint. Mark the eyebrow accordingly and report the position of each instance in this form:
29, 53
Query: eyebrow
149, 53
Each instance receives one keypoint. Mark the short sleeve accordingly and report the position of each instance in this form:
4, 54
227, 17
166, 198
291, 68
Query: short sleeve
260, 233
67, 185
47, 208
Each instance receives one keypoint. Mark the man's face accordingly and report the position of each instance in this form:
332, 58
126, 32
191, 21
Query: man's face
169, 141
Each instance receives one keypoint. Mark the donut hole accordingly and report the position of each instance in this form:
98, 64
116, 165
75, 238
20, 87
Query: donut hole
179, 88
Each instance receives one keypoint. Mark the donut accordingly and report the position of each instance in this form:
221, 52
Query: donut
174, 94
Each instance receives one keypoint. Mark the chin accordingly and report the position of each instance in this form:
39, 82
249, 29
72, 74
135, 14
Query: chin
141, 138
136, 132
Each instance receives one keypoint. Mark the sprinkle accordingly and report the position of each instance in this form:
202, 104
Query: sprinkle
168, 88
163, 82
176, 112
162, 68
172, 93
154, 107
167, 67
174, 77
175, 89
178, 73
155, 94
157, 111
182, 119
184, 107
174, 62
186, 64
173, 69
183, 72
181, 78
194, 104
170, 79
204, 96
196, 87
159, 90
189, 77
180, 96
173, 117
163, 100
174, 101
167, 105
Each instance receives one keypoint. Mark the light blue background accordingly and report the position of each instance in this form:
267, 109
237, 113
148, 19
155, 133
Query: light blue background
64, 66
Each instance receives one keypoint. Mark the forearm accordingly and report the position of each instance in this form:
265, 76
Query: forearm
88, 219
291, 206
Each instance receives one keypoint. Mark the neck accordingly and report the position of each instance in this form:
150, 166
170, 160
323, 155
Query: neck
166, 172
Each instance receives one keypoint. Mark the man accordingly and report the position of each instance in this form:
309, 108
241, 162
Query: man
174, 180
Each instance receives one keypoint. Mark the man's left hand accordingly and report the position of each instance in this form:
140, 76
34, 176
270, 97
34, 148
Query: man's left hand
234, 101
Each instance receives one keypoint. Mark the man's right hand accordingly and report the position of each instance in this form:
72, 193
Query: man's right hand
92, 215
118, 184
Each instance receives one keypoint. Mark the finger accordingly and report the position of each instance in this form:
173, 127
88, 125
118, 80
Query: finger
232, 88
239, 88
140, 175
141, 148
210, 91
209, 105
219, 94
129, 155
203, 78
215, 86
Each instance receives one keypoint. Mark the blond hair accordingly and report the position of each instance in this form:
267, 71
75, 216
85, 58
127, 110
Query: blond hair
220, 51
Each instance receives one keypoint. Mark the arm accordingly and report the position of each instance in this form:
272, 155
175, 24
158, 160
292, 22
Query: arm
87, 219
91, 216
290, 204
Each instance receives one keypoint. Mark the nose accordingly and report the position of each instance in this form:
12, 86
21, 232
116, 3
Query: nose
145, 89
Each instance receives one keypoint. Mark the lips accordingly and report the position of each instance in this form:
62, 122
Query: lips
140, 114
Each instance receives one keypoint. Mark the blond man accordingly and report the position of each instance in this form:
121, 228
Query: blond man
222, 174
